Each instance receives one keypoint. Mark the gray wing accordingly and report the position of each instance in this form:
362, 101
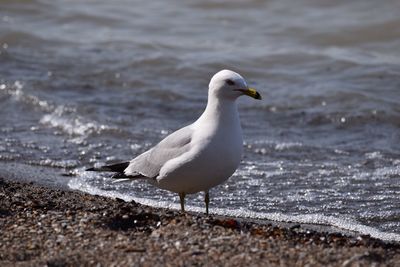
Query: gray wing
150, 162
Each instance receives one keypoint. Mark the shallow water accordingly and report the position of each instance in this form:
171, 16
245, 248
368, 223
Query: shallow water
100, 82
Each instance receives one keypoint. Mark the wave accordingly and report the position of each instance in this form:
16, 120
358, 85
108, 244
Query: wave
61, 117
66, 119
66, 164
16, 91
343, 223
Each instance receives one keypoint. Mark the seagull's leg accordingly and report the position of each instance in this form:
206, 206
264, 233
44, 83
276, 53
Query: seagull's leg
207, 200
182, 199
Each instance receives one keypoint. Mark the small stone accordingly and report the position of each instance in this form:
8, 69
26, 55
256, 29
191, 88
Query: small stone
60, 238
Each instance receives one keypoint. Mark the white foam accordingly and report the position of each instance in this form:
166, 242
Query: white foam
276, 145
287, 146
374, 155
57, 163
387, 171
341, 223
61, 116
65, 118
16, 91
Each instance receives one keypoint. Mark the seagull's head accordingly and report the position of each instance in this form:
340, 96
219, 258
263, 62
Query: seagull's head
228, 84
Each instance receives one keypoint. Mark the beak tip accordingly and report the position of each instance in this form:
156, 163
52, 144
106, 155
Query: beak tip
251, 92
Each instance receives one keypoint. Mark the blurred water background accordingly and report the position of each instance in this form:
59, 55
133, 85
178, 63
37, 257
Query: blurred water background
85, 82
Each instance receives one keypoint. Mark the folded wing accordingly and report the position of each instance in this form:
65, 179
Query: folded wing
150, 162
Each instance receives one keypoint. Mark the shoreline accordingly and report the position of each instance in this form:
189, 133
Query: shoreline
41, 225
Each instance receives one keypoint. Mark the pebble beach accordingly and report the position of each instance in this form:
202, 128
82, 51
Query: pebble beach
42, 226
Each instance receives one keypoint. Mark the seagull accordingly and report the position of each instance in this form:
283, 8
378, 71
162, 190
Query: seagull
201, 155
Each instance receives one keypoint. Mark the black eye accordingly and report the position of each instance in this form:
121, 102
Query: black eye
230, 82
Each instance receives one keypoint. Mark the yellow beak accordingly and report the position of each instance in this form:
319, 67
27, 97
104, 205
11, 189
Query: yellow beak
251, 92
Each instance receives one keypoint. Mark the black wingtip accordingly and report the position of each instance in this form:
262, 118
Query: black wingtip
119, 175
90, 170
119, 167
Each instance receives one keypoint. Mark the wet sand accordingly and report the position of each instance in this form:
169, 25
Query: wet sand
43, 226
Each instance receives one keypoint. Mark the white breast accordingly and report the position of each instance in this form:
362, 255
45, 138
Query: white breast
216, 150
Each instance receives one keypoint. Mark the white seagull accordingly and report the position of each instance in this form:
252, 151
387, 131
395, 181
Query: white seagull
201, 155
